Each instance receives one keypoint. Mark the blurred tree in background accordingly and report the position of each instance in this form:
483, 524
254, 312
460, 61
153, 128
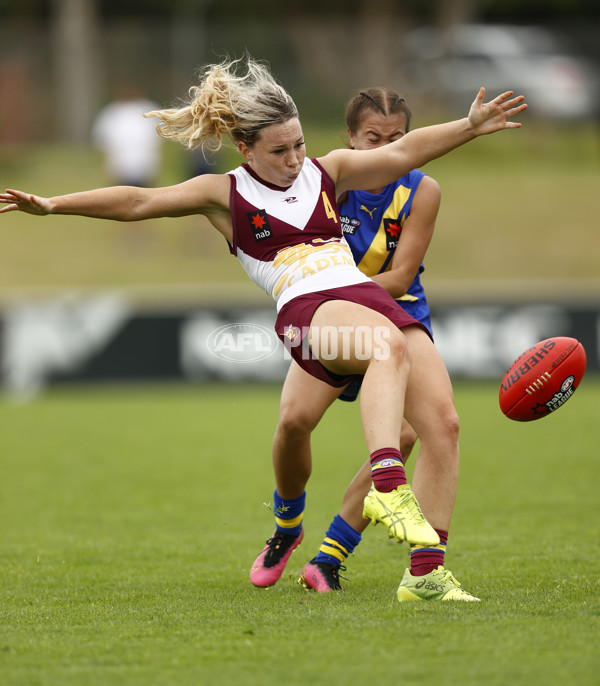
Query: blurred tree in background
60, 60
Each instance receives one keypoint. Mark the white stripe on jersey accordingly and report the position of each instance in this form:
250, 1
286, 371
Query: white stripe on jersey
294, 206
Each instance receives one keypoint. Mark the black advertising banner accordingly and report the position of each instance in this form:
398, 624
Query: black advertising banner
103, 338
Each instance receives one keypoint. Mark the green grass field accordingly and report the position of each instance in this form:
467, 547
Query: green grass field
130, 518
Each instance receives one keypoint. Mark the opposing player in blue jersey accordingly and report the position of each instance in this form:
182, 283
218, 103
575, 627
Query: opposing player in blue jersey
389, 230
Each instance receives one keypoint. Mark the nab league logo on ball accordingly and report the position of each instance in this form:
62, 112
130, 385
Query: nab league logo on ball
242, 342
560, 398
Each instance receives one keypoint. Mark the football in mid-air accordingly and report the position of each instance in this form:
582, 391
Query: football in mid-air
542, 378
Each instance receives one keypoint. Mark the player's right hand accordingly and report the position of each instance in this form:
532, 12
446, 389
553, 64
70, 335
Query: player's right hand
488, 117
24, 202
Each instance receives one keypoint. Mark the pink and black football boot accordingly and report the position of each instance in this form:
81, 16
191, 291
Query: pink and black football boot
269, 565
322, 577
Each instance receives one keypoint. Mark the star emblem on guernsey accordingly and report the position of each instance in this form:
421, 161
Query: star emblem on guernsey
392, 228
258, 221
259, 224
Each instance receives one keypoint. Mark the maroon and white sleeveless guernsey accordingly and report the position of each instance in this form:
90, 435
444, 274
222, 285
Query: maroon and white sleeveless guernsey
289, 240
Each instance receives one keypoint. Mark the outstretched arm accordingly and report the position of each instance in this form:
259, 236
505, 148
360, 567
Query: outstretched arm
201, 195
355, 169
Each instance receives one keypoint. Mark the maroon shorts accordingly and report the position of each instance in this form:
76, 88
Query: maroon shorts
295, 317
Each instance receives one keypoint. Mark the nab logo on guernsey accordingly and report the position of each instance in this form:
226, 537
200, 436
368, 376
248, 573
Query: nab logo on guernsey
392, 229
349, 225
259, 223
242, 342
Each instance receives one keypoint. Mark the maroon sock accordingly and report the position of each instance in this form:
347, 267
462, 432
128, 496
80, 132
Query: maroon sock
425, 560
387, 470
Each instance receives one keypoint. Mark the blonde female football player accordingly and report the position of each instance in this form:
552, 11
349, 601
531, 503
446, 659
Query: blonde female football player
389, 230
278, 214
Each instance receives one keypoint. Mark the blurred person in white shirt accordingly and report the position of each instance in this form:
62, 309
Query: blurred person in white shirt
131, 147
128, 141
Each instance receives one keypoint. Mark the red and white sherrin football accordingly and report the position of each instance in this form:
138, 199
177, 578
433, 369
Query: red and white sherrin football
542, 379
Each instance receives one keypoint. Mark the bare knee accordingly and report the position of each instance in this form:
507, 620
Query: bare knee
451, 423
397, 350
296, 423
292, 458
447, 425
440, 428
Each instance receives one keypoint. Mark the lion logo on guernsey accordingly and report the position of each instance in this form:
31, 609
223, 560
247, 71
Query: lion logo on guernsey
259, 223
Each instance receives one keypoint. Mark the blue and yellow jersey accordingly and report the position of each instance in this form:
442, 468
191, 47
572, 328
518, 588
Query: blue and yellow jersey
372, 225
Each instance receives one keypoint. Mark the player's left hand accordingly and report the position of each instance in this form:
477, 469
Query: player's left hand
495, 115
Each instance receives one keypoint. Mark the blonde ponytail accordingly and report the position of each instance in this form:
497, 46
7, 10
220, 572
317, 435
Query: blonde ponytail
227, 104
